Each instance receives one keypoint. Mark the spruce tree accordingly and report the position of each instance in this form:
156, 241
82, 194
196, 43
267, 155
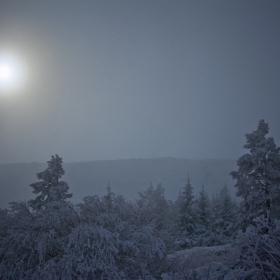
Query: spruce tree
203, 207
258, 174
50, 189
186, 208
153, 205
227, 212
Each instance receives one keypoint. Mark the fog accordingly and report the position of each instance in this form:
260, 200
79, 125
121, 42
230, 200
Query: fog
138, 79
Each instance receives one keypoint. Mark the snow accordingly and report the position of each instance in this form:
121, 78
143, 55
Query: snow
205, 262
110, 238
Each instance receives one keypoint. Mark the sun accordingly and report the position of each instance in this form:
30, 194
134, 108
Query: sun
5, 72
12, 73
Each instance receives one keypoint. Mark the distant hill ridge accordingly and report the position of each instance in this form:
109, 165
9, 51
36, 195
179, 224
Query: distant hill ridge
126, 177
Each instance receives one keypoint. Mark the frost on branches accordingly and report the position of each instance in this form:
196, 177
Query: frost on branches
37, 230
258, 175
49, 238
151, 238
49, 188
258, 183
260, 252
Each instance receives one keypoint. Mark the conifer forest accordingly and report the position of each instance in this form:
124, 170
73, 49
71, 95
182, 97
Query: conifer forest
108, 237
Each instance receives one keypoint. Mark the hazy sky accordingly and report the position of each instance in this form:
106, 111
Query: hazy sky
137, 79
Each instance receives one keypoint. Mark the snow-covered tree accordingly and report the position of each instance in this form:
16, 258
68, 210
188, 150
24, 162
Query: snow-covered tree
38, 229
227, 212
90, 253
203, 214
31, 242
125, 247
186, 200
50, 189
183, 218
258, 174
153, 206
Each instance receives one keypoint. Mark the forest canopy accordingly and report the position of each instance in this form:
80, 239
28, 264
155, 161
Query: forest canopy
109, 237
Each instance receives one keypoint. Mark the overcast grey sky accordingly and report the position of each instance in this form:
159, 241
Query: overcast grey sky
137, 79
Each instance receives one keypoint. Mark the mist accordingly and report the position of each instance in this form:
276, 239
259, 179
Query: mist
138, 79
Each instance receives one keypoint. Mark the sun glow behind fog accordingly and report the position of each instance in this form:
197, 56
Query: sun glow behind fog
5, 72
12, 73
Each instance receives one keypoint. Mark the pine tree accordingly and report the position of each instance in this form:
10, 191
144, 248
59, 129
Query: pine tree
258, 174
186, 200
50, 189
203, 207
153, 205
215, 213
203, 231
226, 212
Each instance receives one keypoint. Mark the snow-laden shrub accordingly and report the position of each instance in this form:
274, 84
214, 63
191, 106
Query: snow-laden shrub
207, 239
139, 248
217, 262
35, 240
260, 246
90, 254
55, 243
199, 256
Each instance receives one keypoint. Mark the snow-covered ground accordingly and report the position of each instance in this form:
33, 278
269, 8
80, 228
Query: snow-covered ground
217, 262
